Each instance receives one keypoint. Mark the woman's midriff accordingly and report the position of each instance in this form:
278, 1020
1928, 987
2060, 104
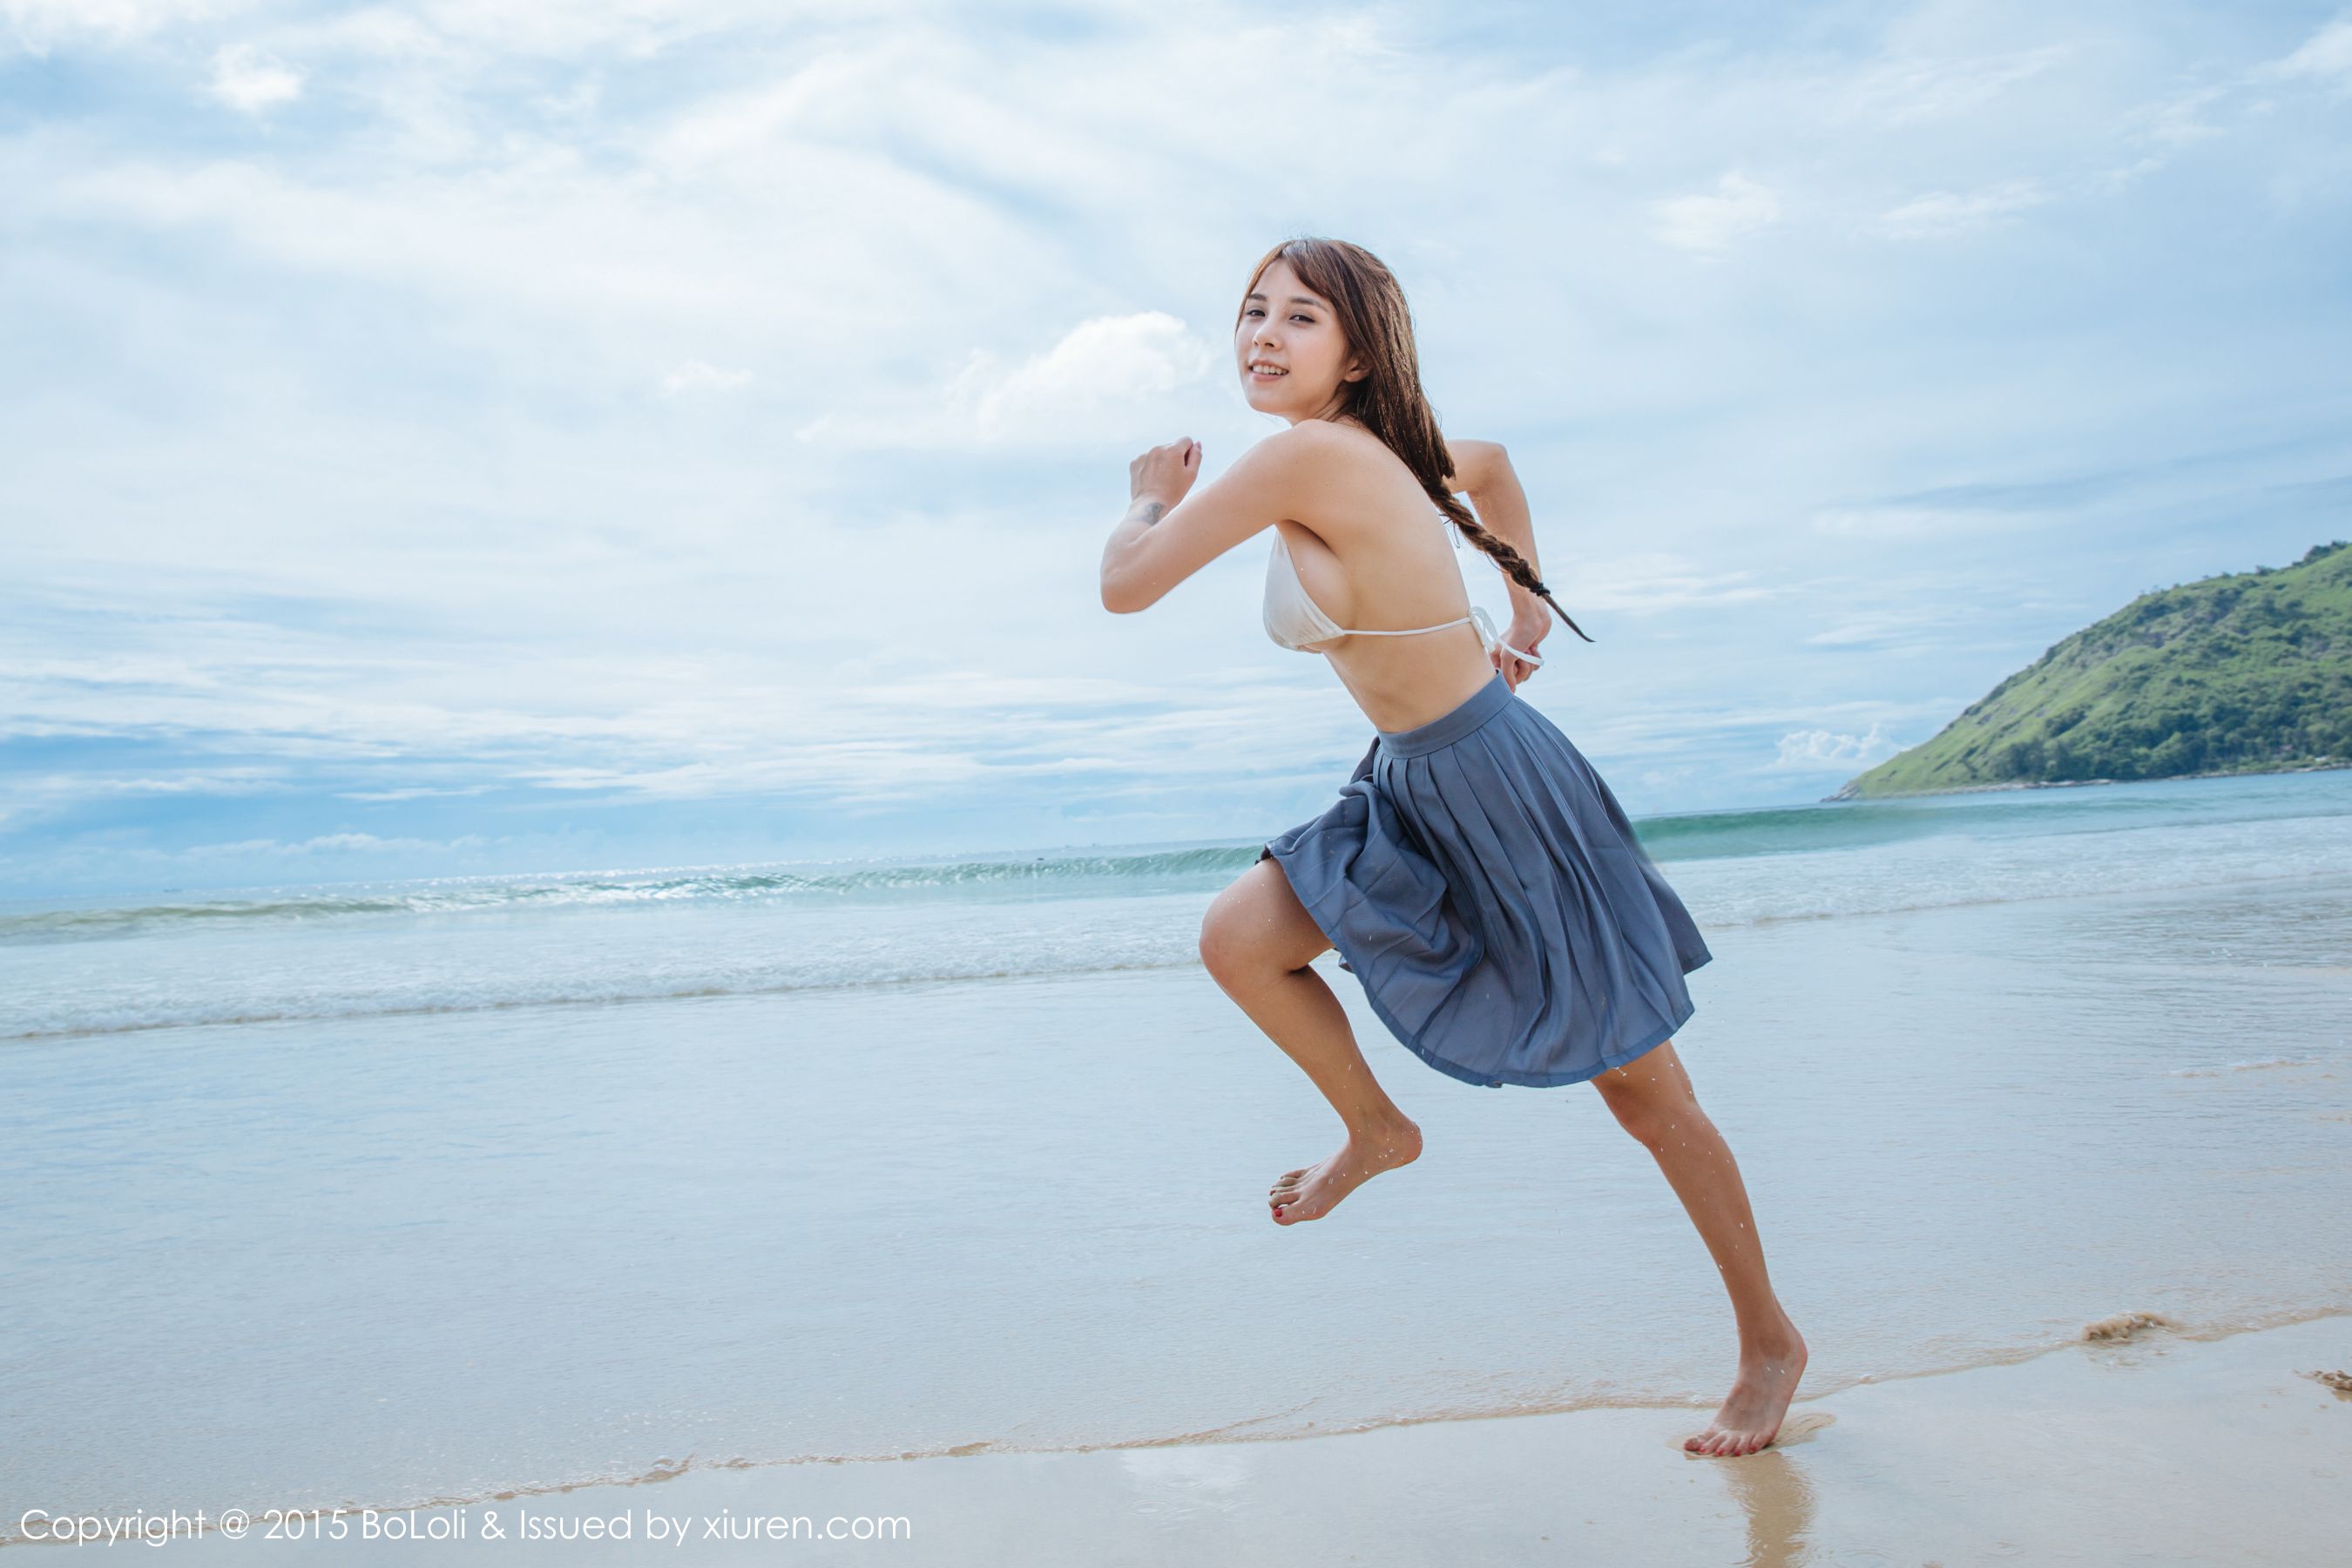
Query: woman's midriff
1415, 680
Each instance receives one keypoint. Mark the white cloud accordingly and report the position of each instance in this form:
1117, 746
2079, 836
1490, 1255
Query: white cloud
1819, 749
1707, 222
2187, 117
417, 792
1652, 584
336, 844
1099, 383
1866, 631
634, 29
25, 798
1925, 87
695, 376
2326, 56
37, 26
1906, 523
538, 235
249, 79
744, 124
1942, 213
1105, 361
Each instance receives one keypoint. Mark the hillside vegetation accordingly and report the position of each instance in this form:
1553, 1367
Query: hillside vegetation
2247, 672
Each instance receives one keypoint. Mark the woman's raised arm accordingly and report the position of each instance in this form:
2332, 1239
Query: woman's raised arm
1168, 534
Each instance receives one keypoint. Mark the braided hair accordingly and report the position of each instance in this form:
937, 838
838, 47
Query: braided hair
1389, 401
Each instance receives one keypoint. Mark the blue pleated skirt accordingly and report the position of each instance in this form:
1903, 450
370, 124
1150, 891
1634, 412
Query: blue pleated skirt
1481, 881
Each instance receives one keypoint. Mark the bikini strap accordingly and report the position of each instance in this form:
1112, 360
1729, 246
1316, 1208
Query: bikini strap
1477, 617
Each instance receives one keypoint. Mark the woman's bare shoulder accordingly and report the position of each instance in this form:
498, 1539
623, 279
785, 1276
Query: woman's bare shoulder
1307, 452
1321, 471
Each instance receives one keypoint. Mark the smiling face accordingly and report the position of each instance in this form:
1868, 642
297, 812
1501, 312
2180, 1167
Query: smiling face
1288, 348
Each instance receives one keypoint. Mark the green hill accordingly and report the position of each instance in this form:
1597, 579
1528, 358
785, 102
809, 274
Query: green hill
2247, 672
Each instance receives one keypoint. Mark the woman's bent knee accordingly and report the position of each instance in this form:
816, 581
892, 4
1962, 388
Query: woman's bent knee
1230, 937
1257, 925
1220, 951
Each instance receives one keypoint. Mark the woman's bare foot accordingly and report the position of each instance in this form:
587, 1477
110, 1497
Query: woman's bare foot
1316, 1191
1750, 1417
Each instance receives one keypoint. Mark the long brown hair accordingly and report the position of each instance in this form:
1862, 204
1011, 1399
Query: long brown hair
1388, 398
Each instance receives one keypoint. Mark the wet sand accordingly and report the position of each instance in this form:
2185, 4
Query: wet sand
2154, 1448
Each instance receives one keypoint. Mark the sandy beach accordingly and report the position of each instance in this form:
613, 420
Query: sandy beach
804, 1247
2158, 1450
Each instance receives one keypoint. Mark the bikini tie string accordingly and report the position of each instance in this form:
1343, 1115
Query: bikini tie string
1492, 639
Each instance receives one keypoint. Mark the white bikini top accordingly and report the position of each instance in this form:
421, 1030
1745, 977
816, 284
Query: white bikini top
1297, 622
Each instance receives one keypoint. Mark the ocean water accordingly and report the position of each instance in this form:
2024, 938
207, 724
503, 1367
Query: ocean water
376, 1196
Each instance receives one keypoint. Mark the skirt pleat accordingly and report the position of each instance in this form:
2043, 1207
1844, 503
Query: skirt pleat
1481, 881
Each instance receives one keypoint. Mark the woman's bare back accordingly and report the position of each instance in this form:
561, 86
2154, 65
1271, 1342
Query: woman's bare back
1374, 552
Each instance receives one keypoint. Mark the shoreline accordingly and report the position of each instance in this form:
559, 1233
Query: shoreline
2111, 1330
2151, 1446
2325, 765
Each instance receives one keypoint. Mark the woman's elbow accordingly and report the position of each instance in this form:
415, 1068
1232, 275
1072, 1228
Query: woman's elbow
1476, 463
1121, 598
1493, 465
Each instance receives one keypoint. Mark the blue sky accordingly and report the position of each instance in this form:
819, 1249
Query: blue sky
498, 434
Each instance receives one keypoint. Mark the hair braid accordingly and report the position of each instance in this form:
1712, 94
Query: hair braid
1378, 325
1513, 565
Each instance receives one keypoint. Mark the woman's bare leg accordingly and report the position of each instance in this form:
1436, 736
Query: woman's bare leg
1652, 1098
1258, 941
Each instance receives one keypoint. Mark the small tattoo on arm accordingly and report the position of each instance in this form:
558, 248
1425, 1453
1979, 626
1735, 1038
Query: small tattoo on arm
1150, 511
